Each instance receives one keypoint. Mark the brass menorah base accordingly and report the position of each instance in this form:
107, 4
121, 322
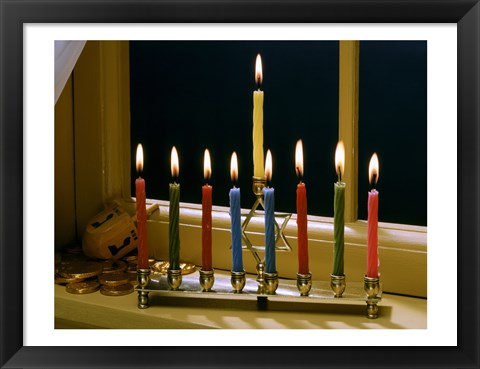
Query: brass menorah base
246, 288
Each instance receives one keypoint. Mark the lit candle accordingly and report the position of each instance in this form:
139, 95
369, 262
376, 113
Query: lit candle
269, 202
174, 215
235, 216
338, 212
302, 235
207, 215
372, 260
258, 170
141, 210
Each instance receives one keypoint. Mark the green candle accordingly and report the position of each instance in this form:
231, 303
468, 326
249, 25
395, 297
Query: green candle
339, 212
338, 227
174, 216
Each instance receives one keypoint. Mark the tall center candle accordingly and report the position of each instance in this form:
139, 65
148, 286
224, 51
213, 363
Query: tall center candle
339, 211
141, 211
258, 170
269, 202
174, 215
302, 225
372, 259
235, 216
207, 215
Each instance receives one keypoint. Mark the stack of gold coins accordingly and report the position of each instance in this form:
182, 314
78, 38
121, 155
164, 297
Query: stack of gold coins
132, 263
82, 275
115, 284
83, 287
78, 275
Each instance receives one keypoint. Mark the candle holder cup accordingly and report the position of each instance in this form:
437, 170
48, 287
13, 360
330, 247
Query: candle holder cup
258, 184
372, 288
338, 284
207, 278
143, 279
271, 283
304, 283
238, 281
174, 279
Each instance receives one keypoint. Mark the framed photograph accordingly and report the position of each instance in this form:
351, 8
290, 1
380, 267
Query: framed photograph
26, 229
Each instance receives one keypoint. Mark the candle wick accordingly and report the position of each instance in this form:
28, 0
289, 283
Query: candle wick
374, 180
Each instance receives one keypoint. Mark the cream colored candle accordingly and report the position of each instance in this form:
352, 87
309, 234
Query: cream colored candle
258, 165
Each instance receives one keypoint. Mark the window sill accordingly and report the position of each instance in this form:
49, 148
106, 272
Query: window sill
402, 248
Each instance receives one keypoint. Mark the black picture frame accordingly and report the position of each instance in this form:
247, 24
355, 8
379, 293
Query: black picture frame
465, 13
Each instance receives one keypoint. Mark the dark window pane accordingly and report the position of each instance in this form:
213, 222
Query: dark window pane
393, 123
198, 94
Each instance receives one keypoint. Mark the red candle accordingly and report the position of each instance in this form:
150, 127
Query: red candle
302, 235
372, 259
207, 215
141, 208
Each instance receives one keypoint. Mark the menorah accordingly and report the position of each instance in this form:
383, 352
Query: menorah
265, 286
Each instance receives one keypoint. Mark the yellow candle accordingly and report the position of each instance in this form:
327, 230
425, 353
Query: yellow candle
258, 166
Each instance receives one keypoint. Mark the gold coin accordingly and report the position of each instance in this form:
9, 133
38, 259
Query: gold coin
80, 269
114, 266
113, 279
130, 258
62, 280
132, 268
122, 290
83, 287
162, 267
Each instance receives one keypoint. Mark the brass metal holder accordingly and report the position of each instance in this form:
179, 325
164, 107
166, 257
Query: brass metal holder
174, 278
245, 288
258, 183
304, 283
271, 283
372, 288
238, 281
143, 278
337, 283
261, 278
207, 278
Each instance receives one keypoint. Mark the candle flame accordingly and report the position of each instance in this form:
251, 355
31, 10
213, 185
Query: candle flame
234, 167
139, 158
373, 169
258, 70
174, 163
268, 166
299, 159
207, 166
340, 159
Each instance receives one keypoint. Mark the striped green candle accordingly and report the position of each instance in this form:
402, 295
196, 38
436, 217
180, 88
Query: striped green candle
173, 228
338, 228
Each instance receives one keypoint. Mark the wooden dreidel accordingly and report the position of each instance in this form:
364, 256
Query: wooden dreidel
112, 233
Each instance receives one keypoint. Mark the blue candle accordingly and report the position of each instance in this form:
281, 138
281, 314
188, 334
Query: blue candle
236, 226
269, 204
